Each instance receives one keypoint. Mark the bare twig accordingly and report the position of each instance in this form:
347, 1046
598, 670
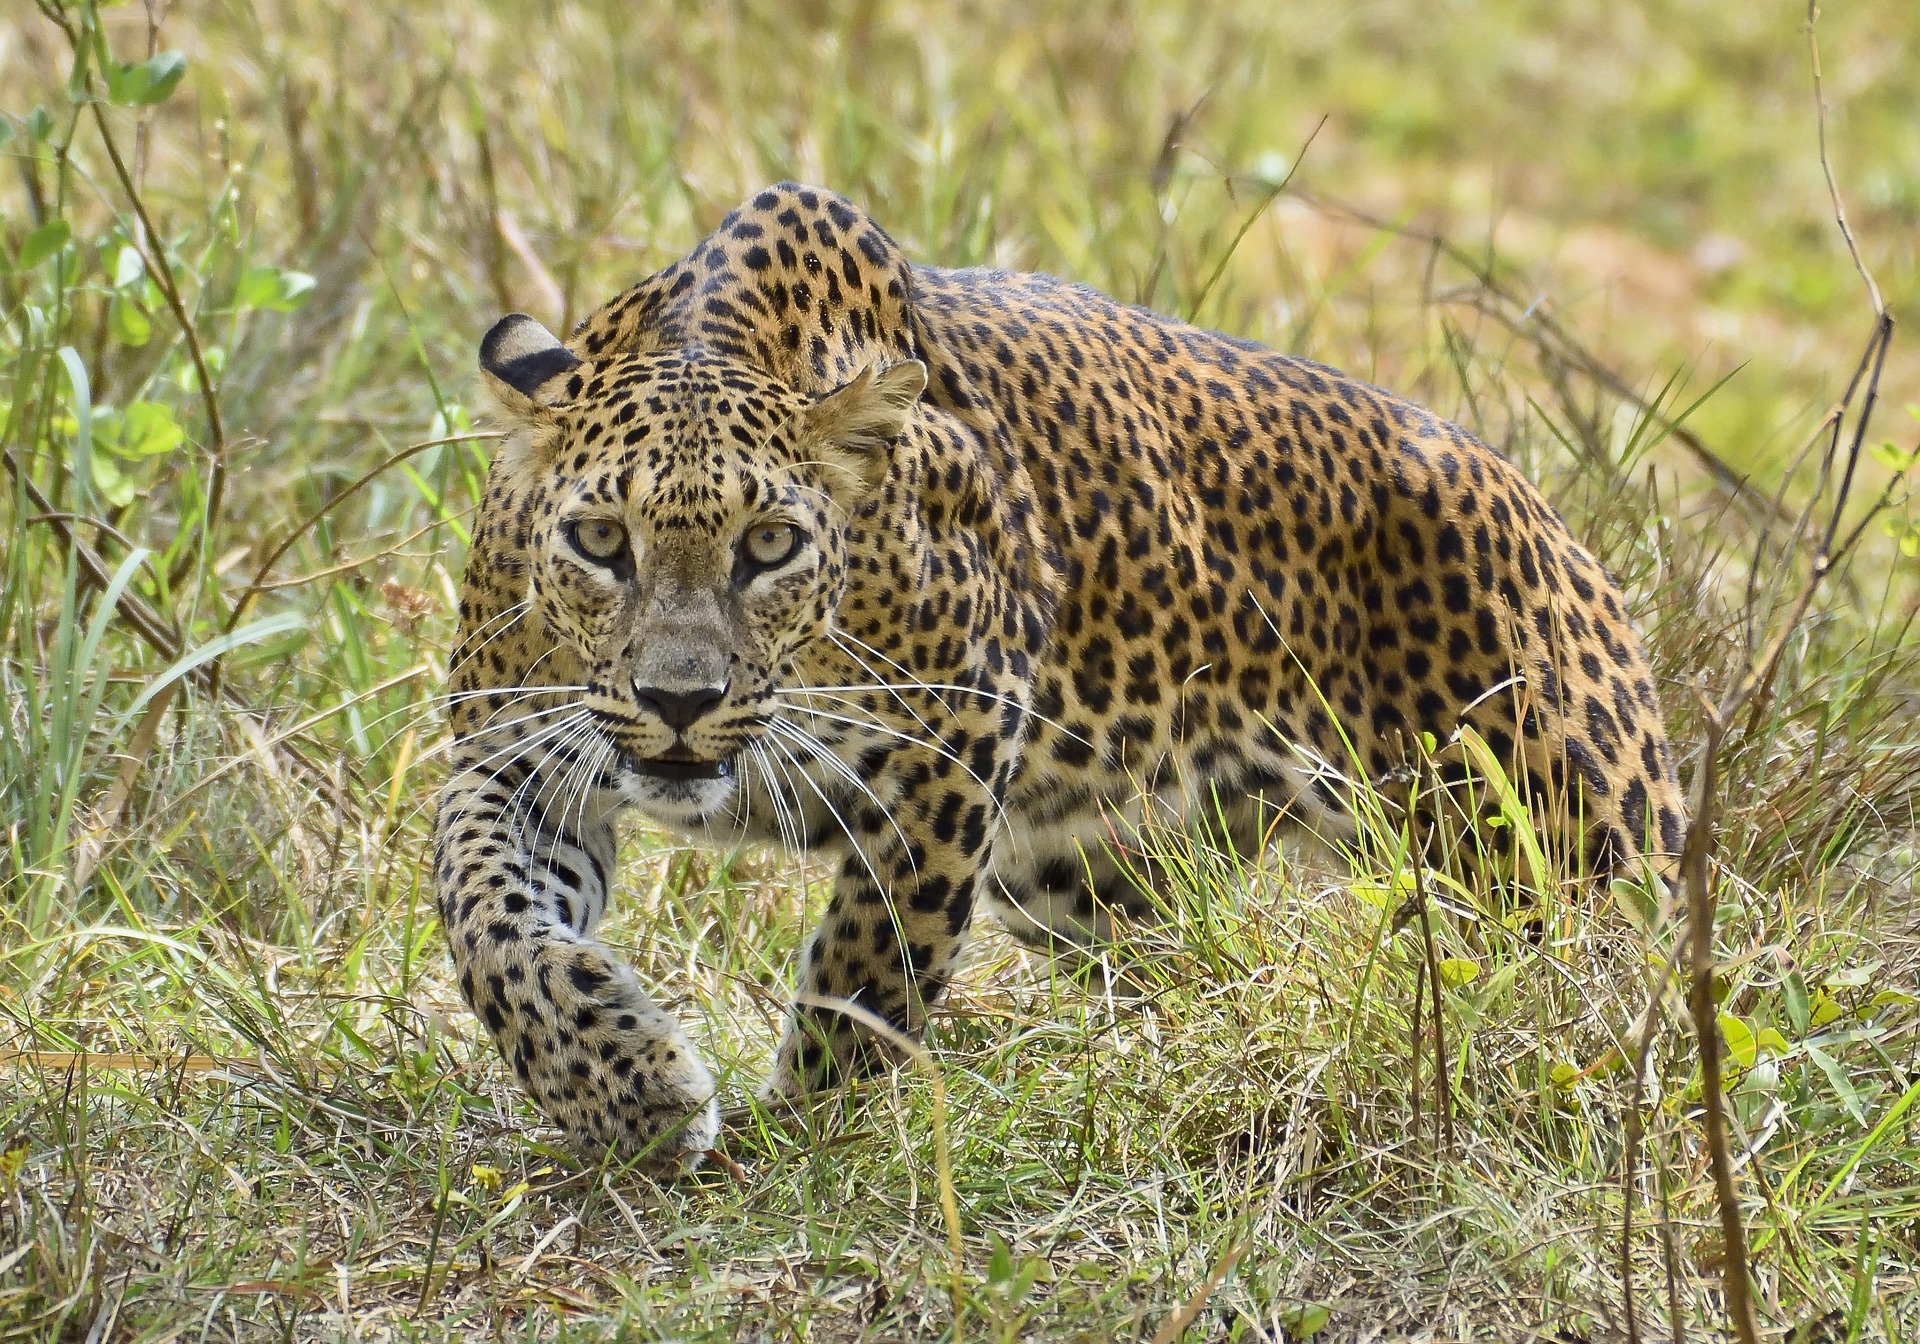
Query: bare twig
153, 254
259, 583
1641, 1037
1840, 459
1176, 1325
1442, 1080
97, 574
942, 1142
1700, 1002
1826, 163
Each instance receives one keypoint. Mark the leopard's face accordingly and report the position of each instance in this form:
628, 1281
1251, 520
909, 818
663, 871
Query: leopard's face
686, 542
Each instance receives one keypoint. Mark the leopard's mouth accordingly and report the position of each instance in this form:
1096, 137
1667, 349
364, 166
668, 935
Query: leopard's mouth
677, 765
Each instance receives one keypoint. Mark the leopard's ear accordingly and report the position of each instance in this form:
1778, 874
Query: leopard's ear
523, 364
855, 423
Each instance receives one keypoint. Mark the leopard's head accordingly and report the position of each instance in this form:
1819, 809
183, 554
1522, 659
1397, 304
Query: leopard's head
685, 522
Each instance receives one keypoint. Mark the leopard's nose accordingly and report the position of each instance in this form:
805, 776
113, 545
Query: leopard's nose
679, 709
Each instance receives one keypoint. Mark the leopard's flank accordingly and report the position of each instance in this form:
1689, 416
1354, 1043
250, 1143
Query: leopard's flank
947, 576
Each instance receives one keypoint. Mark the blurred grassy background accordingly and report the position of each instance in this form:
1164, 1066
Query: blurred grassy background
212, 877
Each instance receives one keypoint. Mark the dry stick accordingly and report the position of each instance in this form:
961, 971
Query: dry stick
1826, 164
258, 585
1642, 1036
97, 575
1442, 1082
1176, 1324
154, 254
1693, 863
1697, 851
1695, 854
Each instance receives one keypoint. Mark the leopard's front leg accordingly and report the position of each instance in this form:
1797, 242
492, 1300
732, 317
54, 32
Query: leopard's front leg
895, 926
520, 891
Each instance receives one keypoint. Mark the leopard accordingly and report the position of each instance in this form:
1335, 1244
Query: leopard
943, 579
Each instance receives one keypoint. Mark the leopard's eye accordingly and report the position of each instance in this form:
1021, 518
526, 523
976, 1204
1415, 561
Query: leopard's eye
770, 544
601, 540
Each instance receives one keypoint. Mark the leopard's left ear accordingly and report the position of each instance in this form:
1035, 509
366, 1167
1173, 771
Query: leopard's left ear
855, 423
523, 364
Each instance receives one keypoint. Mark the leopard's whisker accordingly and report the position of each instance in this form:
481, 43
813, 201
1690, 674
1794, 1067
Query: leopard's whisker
826, 802
826, 756
874, 725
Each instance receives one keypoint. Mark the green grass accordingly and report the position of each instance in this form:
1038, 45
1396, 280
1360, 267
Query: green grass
214, 803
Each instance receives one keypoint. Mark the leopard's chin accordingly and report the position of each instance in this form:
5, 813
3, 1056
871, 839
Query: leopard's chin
677, 790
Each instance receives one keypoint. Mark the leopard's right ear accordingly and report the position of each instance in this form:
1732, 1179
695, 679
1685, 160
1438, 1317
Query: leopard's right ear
525, 366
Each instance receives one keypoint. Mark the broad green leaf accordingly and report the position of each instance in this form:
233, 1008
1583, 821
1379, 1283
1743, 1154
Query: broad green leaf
115, 486
1798, 1011
1741, 1045
1303, 1320
272, 288
147, 83
1910, 544
1892, 1000
128, 267
1771, 1041
1000, 1262
148, 429
1564, 1075
1457, 971
1843, 1087
1822, 1009
43, 242
130, 326
1893, 457
39, 123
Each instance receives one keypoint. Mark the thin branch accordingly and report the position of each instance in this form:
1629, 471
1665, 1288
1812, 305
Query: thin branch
1826, 164
259, 583
153, 254
1700, 1001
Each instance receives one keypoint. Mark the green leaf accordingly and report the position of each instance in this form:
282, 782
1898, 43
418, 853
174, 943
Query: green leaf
115, 486
1910, 544
82, 389
1798, 1011
148, 429
130, 326
39, 124
1000, 1262
1303, 1320
1822, 1009
272, 288
1742, 1048
1564, 1075
1771, 1041
43, 242
1853, 977
1893, 457
1843, 1087
1457, 971
128, 267
148, 83
1892, 1000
